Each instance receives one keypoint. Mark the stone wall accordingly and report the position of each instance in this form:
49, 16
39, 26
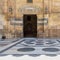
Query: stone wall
48, 10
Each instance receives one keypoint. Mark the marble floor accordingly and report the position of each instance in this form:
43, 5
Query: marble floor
30, 46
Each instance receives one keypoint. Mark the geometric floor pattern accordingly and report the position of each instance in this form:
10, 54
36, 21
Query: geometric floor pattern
30, 46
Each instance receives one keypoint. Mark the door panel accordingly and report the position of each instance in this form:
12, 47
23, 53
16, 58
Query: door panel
30, 25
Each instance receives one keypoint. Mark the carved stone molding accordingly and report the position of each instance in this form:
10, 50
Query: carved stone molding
29, 10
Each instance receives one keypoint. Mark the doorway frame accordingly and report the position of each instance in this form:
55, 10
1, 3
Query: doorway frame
23, 23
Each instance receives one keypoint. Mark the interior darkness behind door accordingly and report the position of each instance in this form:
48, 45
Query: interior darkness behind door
30, 25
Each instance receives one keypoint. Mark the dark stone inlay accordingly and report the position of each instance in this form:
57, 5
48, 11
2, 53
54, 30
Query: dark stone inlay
51, 49
31, 41
26, 49
17, 55
34, 55
50, 42
52, 55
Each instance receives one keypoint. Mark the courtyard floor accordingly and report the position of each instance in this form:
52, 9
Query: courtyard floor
30, 46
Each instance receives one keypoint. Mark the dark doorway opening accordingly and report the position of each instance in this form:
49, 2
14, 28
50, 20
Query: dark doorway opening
30, 26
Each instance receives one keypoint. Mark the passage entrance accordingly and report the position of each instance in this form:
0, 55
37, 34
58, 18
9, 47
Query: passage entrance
30, 25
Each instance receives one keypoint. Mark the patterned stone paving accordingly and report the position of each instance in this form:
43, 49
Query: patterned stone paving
32, 47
